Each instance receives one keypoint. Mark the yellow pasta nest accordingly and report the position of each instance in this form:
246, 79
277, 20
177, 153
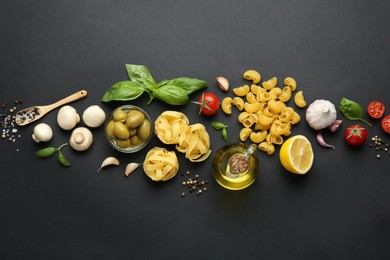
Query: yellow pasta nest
265, 117
169, 125
195, 143
172, 127
160, 164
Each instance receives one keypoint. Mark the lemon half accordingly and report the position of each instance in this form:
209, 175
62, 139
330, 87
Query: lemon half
296, 154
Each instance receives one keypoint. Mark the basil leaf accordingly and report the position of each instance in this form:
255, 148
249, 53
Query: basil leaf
141, 74
352, 110
172, 95
162, 83
123, 91
189, 85
46, 152
218, 125
62, 159
225, 134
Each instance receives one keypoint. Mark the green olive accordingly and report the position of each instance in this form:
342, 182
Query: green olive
134, 119
120, 116
121, 131
132, 131
110, 129
144, 130
123, 143
135, 140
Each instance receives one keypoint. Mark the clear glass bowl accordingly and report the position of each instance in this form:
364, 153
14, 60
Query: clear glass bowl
131, 148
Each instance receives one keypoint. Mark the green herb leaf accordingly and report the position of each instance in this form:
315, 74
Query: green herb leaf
218, 125
141, 74
123, 91
189, 85
225, 134
352, 110
172, 95
46, 152
62, 159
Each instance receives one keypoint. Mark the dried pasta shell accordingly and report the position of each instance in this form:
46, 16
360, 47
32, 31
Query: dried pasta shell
195, 143
169, 126
161, 164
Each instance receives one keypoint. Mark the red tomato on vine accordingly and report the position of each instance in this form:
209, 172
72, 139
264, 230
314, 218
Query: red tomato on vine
355, 135
208, 104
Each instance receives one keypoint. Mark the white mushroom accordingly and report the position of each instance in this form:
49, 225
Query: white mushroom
81, 139
42, 133
94, 116
67, 117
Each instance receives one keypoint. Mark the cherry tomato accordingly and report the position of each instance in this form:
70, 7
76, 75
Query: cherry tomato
208, 104
376, 109
355, 135
386, 124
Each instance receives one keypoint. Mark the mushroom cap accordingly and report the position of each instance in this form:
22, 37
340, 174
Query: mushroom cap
94, 116
321, 114
42, 133
67, 117
81, 139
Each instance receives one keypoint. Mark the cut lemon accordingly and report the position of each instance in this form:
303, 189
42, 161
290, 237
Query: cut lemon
296, 154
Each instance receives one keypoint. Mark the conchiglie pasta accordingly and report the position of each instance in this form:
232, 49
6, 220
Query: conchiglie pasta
276, 106
239, 103
255, 89
252, 75
274, 139
265, 117
258, 137
244, 133
295, 118
241, 91
263, 96
251, 98
226, 105
275, 92
299, 99
285, 95
252, 107
260, 127
242, 116
250, 120
265, 120
291, 83
269, 148
269, 84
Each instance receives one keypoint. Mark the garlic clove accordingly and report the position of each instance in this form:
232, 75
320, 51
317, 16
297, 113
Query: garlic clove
321, 141
131, 167
109, 161
223, 83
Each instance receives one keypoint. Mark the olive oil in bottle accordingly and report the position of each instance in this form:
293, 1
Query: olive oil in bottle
235, 166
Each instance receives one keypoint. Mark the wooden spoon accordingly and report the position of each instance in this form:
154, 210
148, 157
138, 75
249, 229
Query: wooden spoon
31, 114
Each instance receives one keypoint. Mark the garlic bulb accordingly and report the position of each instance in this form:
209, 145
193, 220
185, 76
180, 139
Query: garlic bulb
321, 114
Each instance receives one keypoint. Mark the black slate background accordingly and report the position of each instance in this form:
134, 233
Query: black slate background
334, 49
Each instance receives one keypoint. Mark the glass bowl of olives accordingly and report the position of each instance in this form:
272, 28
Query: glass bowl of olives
128, 129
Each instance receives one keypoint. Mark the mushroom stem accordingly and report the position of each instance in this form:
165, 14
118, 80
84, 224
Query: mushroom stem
78, 138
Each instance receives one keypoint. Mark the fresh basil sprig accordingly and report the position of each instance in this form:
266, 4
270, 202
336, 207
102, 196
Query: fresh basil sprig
221, 127
173, 92
352, 110
49, 151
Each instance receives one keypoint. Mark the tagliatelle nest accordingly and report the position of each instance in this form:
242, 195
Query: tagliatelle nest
169, 126
160, 164
195, 143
